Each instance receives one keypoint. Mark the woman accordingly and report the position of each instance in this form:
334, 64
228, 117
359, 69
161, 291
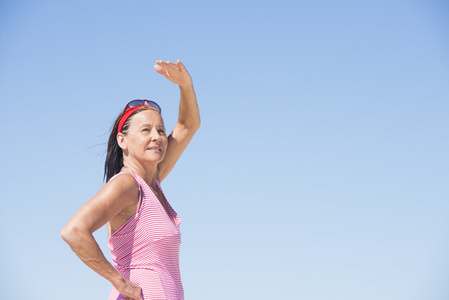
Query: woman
143, 228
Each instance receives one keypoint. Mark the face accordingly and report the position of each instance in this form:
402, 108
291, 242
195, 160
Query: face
146, 139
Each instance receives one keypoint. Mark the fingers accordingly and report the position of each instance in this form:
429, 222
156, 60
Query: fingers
171, 66
137, 297
133, 298
175, 72
165, 65
161, 70
132, 291
181, 65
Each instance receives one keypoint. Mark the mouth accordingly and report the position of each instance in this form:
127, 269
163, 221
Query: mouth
155, 148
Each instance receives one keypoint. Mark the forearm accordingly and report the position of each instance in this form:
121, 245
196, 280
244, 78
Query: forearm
189, 114
87, 249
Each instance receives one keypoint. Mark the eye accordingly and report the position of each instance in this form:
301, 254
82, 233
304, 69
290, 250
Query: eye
161, 131
145, 129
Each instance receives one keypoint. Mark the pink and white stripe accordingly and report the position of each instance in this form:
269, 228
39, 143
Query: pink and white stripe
145, 249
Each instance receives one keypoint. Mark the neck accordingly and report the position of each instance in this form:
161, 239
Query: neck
146, 172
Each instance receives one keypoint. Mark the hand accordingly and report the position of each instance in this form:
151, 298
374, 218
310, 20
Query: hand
176, 73
130, 290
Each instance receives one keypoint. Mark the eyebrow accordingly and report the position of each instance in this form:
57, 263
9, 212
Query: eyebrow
160, 126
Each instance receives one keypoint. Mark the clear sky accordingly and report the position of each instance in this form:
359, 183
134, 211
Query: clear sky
320, 170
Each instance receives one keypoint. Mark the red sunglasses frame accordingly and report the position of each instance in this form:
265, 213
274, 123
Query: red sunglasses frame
132, 106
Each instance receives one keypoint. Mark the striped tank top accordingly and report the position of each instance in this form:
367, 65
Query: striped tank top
145, 249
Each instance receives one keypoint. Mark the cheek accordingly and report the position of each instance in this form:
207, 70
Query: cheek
165, 143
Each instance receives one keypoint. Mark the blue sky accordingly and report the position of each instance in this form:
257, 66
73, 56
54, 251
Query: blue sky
320, 170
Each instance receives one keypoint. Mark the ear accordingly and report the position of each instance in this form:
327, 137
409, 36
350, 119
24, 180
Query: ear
121, 141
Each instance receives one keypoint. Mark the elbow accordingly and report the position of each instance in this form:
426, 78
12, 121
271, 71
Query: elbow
192, 126
69, 234
65, 233
196, 126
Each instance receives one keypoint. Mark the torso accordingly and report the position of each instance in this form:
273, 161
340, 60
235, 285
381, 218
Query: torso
130, 210
161, 199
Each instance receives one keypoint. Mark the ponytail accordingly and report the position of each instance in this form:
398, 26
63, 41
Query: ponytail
114, 156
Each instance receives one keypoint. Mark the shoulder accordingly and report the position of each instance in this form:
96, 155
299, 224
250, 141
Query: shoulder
123, 179
115, 196
123, 187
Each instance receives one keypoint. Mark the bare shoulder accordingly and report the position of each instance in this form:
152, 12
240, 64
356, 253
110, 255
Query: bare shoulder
126, 201
117, 195
124, 187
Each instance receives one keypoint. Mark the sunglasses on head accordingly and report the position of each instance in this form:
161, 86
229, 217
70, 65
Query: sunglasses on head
133, 106
142, 102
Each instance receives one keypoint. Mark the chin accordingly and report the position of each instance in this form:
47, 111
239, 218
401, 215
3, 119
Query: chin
156, 158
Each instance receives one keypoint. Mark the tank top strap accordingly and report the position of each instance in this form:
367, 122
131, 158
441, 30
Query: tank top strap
120, 173
136, 177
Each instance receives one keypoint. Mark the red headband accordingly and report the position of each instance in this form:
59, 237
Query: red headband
126, 116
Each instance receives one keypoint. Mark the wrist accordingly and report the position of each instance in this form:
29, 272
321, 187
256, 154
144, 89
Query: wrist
117, 280
186, 87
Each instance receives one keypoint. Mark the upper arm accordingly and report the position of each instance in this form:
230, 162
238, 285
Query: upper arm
177, 143
112, 198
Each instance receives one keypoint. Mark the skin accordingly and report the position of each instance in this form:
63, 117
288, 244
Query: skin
150, 153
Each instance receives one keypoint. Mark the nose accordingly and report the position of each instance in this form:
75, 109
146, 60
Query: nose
155, 136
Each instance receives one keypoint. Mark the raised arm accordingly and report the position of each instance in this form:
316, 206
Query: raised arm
188, 117
115, 196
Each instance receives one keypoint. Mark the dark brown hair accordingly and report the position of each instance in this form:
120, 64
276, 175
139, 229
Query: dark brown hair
114, 156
